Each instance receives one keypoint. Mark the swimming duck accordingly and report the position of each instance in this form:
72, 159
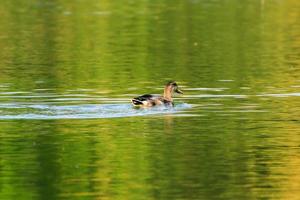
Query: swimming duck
148, 100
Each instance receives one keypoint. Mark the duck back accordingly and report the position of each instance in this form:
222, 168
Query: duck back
140, 100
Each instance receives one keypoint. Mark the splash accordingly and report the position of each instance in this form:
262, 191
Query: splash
85, 111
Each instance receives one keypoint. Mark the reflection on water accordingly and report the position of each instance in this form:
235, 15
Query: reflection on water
67, 73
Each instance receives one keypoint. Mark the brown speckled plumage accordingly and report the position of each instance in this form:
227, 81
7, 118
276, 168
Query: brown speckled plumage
148, 100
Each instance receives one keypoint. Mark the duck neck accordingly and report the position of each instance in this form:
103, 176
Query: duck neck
168, 93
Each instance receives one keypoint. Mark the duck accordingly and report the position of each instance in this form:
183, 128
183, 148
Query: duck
149, 100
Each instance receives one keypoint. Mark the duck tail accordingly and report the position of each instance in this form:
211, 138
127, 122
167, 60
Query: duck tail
136, 102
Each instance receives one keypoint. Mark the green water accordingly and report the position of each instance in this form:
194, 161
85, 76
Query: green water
68, 70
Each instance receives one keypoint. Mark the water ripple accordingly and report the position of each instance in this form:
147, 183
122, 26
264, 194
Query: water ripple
85, 111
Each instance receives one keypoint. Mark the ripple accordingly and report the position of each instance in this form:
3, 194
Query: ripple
85, 111
206, 89
216, 96
280, 95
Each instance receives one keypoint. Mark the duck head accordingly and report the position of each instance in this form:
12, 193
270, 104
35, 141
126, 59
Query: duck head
170, 88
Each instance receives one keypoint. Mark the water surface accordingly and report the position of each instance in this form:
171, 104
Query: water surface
69, 69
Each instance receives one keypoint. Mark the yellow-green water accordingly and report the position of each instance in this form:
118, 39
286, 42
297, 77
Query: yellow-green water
68, 70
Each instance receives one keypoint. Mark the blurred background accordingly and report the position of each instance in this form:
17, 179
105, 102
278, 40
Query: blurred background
68, 70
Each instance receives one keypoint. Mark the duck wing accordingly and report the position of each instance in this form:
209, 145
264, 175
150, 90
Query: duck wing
145, 97
141, 99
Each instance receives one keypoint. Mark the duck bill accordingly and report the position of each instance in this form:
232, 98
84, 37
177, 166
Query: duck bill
178, 91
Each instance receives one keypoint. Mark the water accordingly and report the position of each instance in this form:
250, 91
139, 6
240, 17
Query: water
85, 111
69, 69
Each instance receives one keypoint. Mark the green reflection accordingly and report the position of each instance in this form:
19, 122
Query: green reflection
232, 148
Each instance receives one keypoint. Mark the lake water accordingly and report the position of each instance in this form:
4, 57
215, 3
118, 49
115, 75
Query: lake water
68, 70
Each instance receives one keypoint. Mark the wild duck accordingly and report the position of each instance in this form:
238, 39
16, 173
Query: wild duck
149, 100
